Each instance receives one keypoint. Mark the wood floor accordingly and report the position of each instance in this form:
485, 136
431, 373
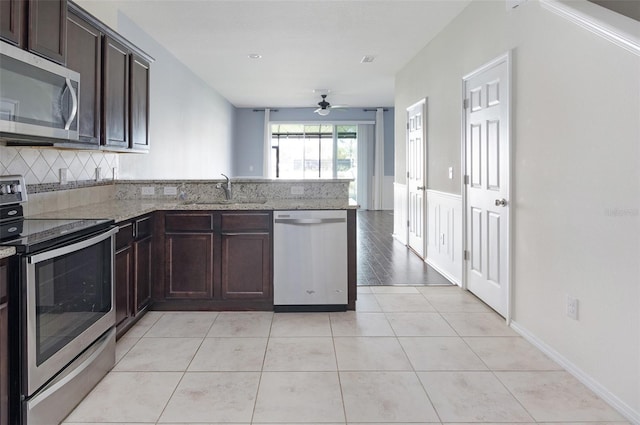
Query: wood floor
382, 260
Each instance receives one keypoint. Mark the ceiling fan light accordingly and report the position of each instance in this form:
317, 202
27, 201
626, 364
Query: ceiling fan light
323, 112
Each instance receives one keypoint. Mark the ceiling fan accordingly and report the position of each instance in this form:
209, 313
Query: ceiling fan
325, 107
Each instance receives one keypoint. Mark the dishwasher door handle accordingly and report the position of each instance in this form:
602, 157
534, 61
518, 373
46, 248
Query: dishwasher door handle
309, 220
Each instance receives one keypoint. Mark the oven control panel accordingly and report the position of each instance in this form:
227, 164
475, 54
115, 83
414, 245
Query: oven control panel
12, 190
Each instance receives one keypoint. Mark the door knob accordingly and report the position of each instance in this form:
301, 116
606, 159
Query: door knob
421, 187
501, 202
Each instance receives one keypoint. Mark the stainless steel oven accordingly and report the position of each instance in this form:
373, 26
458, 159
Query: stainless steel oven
61, 307
69, 304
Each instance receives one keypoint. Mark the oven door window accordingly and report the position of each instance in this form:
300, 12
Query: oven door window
72, 292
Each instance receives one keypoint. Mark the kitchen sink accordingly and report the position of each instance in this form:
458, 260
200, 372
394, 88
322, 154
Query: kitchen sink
239, 201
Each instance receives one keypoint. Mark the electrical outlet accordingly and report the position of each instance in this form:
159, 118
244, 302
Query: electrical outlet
98, 174
170, 190
297, 190
148, 190
572, 307
450, 173
114, 173
63, 175
441, 238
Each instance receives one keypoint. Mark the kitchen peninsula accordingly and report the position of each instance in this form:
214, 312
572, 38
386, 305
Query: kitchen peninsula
182, 245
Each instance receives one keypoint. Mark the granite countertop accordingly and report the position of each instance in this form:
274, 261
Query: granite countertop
121, 210
6, 251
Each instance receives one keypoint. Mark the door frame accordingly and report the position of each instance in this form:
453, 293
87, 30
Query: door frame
422, 102
508, 58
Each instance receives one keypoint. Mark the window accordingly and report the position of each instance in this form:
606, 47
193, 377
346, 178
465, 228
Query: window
315, 151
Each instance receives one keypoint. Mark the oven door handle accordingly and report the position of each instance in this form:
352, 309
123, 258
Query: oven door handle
34, 259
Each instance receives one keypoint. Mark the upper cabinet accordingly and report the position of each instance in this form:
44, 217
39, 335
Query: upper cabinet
39, 26
116, 94
114, 78
11, 16
84, 55
139, 101
47, 34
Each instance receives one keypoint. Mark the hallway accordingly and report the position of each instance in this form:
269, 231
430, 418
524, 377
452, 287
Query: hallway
382, 260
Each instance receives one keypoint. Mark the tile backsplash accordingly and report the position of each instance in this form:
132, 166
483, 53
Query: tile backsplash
42, 165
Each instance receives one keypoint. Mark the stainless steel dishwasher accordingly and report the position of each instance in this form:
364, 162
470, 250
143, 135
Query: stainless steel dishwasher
310, 260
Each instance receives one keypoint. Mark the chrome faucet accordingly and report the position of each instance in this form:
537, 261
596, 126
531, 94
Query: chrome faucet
226, 187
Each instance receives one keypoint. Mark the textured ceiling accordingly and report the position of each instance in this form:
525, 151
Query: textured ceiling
305, 45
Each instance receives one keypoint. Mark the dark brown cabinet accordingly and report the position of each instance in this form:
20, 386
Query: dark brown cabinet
115, 108
216, 260
48, 29
143, 261
189, 256
124, 273
4, 345
246, 255
11, 17
134, 270
126, 77
139, 103
84, 56
42, 22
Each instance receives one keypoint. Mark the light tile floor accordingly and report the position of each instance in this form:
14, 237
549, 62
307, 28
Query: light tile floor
443, 358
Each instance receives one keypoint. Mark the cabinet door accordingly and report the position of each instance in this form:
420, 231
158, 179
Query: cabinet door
189, 265
11, 16
246, 265
48, 28
84, 56
139, 103
143, 251
4, 346
123, 284
116, 94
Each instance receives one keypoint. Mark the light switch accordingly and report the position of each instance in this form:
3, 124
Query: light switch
450, 173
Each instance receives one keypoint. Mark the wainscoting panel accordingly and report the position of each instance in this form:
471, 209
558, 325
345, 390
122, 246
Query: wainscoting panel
400, 212
444, 234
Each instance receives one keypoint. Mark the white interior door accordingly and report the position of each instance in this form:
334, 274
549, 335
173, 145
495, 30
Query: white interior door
487, 183
416, 175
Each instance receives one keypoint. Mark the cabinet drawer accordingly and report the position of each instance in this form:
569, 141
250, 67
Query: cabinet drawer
188, 222
124, 236
144, 227
245, 222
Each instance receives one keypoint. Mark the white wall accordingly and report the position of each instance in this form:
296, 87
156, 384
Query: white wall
576, 176
192, 125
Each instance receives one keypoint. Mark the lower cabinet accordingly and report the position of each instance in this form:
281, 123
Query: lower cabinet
123, 284
189, 265
246, 256
216, 260
134, 270
4, 345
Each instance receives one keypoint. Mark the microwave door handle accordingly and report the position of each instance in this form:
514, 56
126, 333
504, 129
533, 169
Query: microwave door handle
74, 103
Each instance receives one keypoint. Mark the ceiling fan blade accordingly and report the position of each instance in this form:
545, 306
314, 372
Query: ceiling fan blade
318, 110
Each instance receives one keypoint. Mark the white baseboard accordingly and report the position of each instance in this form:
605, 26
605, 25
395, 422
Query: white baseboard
602, 392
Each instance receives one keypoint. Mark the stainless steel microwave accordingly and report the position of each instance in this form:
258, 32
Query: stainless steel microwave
37, 97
